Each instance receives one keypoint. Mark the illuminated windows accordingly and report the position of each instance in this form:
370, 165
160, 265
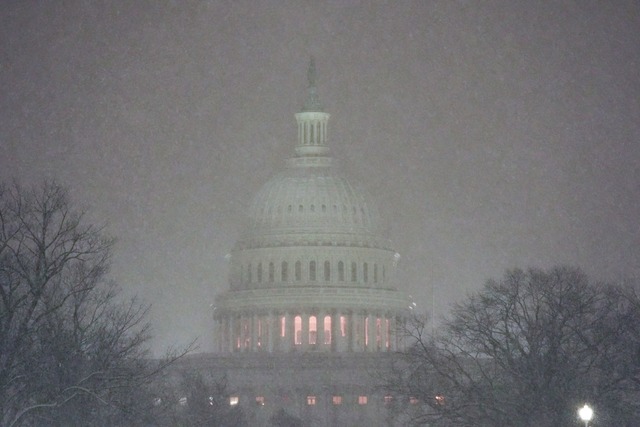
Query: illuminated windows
297, 325
366, 331
233, 400
413, 400
343, 326
327, 329
311, 400
388, 400
362, 400
260, 400
313, 329
283, 326
337, 400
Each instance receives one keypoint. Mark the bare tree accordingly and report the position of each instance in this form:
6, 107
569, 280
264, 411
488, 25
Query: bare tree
528, 350
72, 349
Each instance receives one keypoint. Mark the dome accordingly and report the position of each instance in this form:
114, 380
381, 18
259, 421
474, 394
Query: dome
311, 205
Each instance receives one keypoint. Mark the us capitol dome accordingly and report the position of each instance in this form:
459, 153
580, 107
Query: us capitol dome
312, 271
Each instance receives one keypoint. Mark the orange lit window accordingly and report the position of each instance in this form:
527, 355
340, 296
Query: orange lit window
413, 400
366, 331
313, 329
388, 399
311, 400
440, 400
297, 325
233, 400
362, 400
260, 400
343, 326
327, 329
337, 400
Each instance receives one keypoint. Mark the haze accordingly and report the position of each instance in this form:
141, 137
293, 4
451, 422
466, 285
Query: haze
492, 135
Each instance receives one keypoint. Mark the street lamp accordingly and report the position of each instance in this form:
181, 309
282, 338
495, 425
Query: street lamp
586, 414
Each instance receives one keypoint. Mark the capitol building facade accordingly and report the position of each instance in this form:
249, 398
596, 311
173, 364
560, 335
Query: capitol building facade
312, 315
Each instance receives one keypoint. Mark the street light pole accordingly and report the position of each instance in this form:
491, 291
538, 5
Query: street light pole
586, 414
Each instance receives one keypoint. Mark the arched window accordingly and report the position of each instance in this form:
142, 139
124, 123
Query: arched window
271, 272
327, 271
327, 329
298, 271
249, 273
365, 272
284, 271
297, 329
260, 272
354, 272
313, 329
341, 271
312, 271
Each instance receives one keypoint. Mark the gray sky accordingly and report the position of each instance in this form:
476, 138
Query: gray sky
492, 134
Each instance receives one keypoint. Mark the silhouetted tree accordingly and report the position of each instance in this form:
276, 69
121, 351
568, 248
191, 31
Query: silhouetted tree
72, 349
527, 351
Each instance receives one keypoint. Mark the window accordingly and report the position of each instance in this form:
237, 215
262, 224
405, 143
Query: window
337, 400
366, 331
260, 400
343, 326
362, 400
388, 333
388, 400
297, 325
327, 271
327, 329
312, 271
271, 272
375, 273
313, 329
260, 272
413, 400
311, 400
365, 272
283, 326
341, 271
298, 271
354, 272
233, 400
284, 272
378, 332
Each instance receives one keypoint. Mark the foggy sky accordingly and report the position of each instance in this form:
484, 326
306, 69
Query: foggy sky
492, 135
